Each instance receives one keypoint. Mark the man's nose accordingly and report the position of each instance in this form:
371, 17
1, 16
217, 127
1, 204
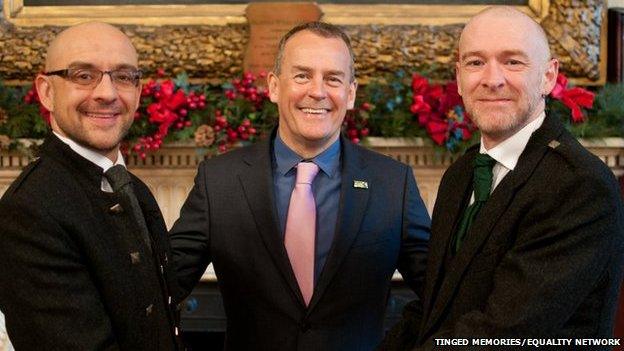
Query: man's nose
493, 76
317, 89
105, 90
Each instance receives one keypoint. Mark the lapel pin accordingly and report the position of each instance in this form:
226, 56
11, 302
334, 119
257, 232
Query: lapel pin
553, 144
116, 209
360, 184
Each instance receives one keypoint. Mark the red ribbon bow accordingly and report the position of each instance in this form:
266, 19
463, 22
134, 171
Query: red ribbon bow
573, 98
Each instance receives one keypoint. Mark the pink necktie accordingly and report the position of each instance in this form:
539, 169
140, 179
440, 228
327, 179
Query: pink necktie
301, 229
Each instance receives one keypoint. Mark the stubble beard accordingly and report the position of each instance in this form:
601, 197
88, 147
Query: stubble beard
92, 138
500, 124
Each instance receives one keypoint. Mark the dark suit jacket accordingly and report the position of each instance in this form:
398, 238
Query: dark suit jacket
542, 259
230, 219
67, 277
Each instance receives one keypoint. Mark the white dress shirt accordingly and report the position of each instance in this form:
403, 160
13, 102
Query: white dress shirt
507, 153
102, 161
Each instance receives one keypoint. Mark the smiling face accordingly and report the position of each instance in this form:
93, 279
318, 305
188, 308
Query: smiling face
99, 117
313, 91
504, 70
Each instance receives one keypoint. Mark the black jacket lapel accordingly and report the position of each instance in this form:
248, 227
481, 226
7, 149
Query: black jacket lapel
257, 183
353, 202
450, 202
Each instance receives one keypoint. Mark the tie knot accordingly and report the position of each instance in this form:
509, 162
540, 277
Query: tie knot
306, 171
118, 177
484, 160
483, 164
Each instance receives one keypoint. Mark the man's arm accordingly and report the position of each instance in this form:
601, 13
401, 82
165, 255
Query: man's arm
415, 237
566, 247
412, 265
48, 297
190, 237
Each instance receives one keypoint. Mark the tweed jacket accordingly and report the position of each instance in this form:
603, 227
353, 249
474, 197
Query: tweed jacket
542, 259
74, 272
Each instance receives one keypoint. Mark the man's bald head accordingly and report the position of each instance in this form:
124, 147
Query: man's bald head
515, 19
504, 71
81, 88
87, 36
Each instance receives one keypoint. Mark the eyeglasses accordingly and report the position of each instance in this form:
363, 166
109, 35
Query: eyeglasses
90, 77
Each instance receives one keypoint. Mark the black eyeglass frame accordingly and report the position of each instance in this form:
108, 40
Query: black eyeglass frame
65, 73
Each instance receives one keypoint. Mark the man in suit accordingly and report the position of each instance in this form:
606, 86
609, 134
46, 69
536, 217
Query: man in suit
83, 251
315, 278
527, 228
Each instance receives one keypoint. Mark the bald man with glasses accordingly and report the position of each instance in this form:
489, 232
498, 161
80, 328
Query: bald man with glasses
84, 261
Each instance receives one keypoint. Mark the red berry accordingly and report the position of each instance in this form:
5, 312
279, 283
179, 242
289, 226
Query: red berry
220, 120
364, 132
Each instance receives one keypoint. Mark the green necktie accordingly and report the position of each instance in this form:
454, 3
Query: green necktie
482, 179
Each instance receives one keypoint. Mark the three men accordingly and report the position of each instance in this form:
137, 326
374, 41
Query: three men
527, 229
83, 252
304, 266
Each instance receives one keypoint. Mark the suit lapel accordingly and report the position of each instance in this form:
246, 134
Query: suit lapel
492, 211
450, 203
353, 202
257, 184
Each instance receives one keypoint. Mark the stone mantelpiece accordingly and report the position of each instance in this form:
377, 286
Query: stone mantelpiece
169, 172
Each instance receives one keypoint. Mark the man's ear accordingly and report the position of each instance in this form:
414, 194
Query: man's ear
45, 90
273, 85
138, 97
457, 78
550, 76
352, 90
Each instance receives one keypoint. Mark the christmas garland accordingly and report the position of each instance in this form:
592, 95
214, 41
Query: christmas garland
217, 117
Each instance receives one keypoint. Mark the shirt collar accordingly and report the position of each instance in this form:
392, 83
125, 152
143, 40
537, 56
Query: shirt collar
102, 161
508, 152
286, 159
